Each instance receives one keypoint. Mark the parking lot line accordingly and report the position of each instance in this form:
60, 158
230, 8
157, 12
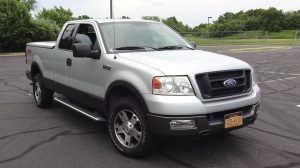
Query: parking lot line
275, 80
298, 105
256, 49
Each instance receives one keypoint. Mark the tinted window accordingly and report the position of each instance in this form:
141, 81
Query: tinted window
66, 39
86, 34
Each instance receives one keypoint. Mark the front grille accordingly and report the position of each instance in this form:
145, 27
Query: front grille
212, 84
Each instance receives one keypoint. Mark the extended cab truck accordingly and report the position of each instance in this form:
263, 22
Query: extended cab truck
144, 79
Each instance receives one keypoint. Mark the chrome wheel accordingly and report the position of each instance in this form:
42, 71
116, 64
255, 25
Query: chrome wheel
37, 91
128, 128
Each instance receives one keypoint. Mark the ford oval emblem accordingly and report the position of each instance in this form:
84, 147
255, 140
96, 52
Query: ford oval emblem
229, 83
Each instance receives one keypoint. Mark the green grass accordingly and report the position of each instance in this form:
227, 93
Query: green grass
285, 34
285, 37
11, 53
225, 41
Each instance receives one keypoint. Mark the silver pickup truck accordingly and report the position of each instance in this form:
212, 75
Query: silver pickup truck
144, 79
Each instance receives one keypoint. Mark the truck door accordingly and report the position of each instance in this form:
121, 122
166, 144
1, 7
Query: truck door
62, 51
84, 74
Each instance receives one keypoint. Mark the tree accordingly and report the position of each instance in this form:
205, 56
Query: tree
176, 25
292, 20
57, 15
200, 28
272, 19
30, 4
82, 17
43, 30
125, 17
153, 18
14, 25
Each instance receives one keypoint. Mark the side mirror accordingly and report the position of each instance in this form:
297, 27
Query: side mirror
82, 50
194, 44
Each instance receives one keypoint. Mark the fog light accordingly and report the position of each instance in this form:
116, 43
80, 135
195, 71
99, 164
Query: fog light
182, 124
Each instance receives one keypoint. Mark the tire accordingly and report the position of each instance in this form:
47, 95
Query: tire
43, 97
128, 128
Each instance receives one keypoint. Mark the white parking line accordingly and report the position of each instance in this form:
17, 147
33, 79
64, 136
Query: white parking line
298, 105
282, 73
275, 80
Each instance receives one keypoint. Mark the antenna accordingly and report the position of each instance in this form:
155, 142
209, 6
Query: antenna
111, 9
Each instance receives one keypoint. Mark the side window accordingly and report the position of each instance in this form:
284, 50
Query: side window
66, 39
86, 34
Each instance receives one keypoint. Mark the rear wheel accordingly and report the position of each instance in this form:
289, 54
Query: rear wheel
128, 128
43, 97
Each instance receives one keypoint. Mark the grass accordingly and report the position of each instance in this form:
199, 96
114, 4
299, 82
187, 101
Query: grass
225, 41
284, 34
285, 37
11, 54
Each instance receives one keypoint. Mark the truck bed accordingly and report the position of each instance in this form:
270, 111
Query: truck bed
44, 44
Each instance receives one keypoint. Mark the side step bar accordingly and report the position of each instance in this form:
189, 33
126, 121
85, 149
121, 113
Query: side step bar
65, 101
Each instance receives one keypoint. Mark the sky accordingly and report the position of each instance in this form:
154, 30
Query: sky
190, 12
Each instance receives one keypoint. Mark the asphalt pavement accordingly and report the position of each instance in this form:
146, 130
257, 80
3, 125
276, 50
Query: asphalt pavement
59, 137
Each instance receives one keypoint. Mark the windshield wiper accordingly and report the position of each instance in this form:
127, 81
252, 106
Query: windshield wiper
174, 47
136, 48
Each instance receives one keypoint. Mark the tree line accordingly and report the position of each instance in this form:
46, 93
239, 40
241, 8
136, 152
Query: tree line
18, 26
271, 20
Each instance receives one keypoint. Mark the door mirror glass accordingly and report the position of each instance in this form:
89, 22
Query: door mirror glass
83, 50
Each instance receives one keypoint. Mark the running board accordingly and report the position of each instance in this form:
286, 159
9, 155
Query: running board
65, 101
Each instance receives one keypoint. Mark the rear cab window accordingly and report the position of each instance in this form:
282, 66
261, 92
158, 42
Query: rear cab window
66, 39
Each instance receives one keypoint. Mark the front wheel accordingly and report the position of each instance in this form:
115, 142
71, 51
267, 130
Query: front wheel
128, 128
43, 97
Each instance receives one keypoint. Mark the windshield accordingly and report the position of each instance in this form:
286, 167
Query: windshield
132, 36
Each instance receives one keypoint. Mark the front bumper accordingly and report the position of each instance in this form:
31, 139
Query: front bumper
204, 124
194, 105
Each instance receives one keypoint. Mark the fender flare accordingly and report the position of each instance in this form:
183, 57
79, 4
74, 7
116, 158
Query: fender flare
37, 65
130, 87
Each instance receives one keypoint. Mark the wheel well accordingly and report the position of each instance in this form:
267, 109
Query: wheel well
35, 69
120, 91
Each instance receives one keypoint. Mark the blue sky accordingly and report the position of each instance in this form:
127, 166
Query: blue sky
191, 12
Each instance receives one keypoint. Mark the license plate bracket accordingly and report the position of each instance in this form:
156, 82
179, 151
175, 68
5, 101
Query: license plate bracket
233, 120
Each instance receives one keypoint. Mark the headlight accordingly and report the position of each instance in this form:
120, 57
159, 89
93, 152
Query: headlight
254, 77
172, 85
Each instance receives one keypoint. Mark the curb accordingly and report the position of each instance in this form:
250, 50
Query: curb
12, 55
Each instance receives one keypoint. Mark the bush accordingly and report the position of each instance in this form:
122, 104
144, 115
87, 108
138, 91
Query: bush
14, 25
57, 15
44, 30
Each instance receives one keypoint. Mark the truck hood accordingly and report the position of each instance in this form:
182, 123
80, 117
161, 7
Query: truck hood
185, 62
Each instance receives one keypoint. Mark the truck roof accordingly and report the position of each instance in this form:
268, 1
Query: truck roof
112, 20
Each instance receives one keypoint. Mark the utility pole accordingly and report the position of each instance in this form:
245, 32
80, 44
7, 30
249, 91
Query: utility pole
111, 9
208, 26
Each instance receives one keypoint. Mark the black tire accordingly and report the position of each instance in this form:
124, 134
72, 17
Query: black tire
43, 97
146, 144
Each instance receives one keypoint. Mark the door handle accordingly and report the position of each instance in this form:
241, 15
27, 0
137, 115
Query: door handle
69, 62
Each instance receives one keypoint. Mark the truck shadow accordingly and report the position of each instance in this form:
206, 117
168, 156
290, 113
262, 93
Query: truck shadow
211, 150
205, 149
